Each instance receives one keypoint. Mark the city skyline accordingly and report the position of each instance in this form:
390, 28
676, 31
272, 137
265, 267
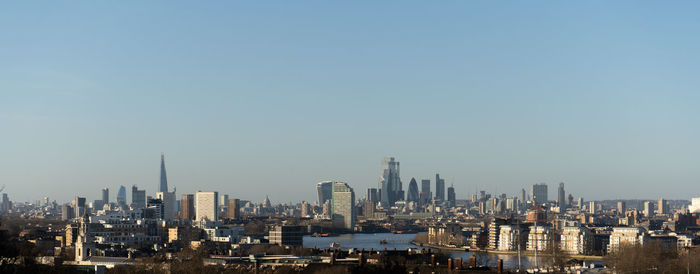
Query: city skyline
256, 99
327, 193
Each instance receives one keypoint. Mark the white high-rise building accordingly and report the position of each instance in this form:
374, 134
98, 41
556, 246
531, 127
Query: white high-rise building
694, 207
168, 201
206, 206
343, 205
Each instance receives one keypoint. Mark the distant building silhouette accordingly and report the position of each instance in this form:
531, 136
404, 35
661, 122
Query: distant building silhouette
372, 195
168, 200
561, 198
163, 177
187, 207
425, 194
121, 197
105, 196
343, 205
539, 193
206, 207
234, 209
412, 191
451, 196
390, 183
325, 191
439, 188
138, 198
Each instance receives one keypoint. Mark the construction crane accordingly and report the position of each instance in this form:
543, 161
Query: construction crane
2, 188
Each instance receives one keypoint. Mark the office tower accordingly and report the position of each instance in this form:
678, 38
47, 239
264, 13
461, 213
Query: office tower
154, 209
305, 209
5, 206
561, 202
648, 209
343, 205
570, 200
390, 182
223, 200
580, 202
79, 206
694, 206
523, 195
412, 191
168, 201
325, 191
138, 198
105, 196
539, 193
207, 206
163, 179
223, 205
234, 209
439, 188
67, 212
287, 235
187, 207
97, 205
266, 202
121, 196
425, 194
326, 208
592, 207
621, 207
368, 210
451, 196
662, 208
372, 195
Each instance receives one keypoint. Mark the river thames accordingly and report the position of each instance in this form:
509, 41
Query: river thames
403, 241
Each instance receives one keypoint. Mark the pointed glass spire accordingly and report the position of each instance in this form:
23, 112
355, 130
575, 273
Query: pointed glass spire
163, 177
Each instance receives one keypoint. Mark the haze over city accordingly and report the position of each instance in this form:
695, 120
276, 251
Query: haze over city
261, 99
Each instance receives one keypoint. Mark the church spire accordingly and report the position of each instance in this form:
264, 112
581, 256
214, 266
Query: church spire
163, 177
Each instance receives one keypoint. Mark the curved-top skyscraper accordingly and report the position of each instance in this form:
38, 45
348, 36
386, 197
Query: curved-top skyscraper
163, 178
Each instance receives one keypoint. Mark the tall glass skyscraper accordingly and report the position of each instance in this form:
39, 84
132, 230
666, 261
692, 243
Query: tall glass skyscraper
163, 178
539, 193
121, 196
325, 191
561, 196
390, 182
439, 188
412, 191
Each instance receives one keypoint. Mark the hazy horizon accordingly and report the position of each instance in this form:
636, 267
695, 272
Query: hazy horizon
263, 98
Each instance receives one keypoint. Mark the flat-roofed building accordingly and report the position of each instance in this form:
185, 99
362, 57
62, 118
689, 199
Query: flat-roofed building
207, 206
234, 209
287, 235
625, 236
539, 238
187, 207
511, 237
576, 240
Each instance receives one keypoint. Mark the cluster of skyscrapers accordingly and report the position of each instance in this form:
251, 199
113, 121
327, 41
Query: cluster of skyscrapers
391, 190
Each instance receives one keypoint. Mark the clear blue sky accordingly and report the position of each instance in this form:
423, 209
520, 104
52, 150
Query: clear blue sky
270, 97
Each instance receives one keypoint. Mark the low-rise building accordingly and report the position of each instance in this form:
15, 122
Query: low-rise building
287, 235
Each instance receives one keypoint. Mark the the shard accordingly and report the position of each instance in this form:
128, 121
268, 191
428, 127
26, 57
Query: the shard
163, 178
